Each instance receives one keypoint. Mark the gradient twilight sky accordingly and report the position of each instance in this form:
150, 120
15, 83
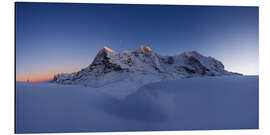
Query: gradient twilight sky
53, 38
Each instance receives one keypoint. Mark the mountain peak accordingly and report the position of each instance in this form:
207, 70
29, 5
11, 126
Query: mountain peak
192, 53
145, 48
107, 49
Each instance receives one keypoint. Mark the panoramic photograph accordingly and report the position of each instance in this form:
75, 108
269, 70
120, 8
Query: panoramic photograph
133, 67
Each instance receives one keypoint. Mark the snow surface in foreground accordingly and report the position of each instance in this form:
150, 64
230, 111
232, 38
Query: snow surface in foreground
185, 104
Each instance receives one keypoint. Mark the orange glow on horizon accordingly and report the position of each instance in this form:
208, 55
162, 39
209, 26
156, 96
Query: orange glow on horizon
43, 76
35, 79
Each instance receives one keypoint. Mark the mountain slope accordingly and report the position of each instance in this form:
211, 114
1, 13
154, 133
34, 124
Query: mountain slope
140, 67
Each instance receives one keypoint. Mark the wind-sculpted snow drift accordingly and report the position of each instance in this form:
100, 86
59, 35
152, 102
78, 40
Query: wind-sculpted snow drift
141, 67
224, 102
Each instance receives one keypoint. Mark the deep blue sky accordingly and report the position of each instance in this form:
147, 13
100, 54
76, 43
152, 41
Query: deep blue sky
53, 38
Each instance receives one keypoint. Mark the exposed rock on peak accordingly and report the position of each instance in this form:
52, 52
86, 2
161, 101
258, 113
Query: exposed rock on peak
108, 49
145, 48
191, 53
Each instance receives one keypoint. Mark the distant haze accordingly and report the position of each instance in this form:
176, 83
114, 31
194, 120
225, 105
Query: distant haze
54, 38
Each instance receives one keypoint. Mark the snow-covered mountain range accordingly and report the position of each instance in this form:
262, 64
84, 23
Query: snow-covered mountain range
140, 67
